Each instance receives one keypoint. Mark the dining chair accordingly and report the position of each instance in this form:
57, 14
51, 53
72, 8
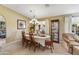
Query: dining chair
25, 41
34, 44
49, 44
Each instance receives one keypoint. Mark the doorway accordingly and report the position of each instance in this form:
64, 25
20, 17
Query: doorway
55, 30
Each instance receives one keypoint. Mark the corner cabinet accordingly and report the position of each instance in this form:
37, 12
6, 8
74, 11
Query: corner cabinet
55, 30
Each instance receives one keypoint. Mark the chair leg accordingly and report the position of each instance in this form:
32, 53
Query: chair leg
51, 49
53, 46
26, 45
23, 44
30, 46
70, 49
36, 46
34, 49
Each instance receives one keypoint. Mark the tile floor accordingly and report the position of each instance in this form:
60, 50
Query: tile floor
58, 50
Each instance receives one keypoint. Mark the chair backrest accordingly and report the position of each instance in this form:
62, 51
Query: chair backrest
31, 36
23, 35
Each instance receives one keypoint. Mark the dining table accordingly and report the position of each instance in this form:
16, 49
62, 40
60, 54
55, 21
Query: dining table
40, 39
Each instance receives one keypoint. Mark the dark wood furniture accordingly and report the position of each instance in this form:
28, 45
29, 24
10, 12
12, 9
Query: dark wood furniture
55, 30
25, 41
31, 43
34, 44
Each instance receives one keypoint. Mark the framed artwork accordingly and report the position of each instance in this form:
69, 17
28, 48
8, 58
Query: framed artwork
21, 24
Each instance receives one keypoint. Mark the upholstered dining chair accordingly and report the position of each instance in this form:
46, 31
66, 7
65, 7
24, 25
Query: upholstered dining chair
49, 44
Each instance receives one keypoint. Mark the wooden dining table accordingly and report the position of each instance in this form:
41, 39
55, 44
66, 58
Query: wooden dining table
40, 39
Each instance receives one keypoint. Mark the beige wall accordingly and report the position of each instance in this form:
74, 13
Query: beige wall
11, 23
61, 20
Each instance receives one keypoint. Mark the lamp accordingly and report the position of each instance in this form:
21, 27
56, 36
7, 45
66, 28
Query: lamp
33, 22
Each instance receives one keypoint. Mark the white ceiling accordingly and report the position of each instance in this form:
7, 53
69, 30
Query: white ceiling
44, 10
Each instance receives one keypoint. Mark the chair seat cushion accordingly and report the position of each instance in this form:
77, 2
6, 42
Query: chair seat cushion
48, 42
